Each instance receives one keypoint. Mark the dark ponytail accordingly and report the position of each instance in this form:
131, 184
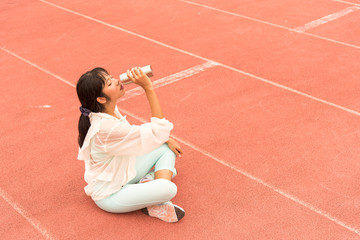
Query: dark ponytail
89, 88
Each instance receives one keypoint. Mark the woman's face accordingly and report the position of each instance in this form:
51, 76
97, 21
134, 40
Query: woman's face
113, 88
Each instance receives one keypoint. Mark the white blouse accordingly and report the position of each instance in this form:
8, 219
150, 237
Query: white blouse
110, 149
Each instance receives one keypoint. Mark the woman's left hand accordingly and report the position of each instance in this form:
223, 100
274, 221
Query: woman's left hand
175, 147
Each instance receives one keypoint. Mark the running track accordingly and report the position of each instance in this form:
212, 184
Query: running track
264, 96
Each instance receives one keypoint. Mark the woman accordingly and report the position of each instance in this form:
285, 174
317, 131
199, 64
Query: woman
119, 156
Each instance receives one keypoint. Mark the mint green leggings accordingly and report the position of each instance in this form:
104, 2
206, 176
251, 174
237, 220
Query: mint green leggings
134, 196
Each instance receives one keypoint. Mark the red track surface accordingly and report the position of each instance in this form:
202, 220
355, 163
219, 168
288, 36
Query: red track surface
261, 161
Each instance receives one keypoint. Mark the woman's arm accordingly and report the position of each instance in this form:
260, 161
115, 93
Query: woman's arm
156, 110
140, 78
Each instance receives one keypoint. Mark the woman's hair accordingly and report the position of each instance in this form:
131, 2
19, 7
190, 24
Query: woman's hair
89, 88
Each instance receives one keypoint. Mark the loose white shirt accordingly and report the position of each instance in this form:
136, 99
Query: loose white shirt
110, 149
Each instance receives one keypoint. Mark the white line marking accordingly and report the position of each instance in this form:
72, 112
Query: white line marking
126, 31
209, 60
180, 50
258, 180
295, 91
326, 19
236, 14
44, 106
170, 79
330, 40
272, 24
351, 3
33, 222
36, 66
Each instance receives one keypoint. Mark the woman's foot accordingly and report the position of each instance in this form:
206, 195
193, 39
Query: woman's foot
166, 211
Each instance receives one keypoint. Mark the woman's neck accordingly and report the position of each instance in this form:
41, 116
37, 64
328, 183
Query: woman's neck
110, 109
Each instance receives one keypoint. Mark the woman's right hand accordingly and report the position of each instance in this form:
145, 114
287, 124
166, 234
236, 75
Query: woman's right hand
139, 77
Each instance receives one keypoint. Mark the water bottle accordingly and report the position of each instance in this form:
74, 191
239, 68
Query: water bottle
125, 80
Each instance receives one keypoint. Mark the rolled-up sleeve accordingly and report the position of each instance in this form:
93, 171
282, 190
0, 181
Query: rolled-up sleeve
124, 139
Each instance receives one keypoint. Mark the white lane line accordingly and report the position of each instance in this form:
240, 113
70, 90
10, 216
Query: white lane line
272, 24
209, 60
246, 174
326, 19
33, 222
38, 67
170, 79
258, 180
124, 30
295, 91
236, 14
351, 3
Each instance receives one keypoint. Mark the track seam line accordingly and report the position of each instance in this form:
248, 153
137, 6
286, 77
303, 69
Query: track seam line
326, 19
272, 24
231, 166
31, 220
207, 60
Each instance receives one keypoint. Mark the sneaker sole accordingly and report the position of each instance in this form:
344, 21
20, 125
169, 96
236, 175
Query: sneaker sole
166, 213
